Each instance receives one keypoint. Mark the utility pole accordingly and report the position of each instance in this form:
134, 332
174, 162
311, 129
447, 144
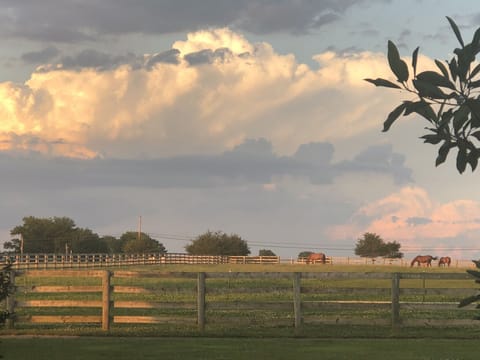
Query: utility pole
139, 228
21, 244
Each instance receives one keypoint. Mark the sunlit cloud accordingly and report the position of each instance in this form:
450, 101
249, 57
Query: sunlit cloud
222, 90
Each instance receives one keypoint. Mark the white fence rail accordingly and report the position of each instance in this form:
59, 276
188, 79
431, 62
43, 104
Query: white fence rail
76, 261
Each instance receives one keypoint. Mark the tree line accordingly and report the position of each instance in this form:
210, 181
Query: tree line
61, 235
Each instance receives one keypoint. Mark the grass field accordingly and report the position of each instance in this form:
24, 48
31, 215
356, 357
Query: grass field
230, 298
240, 305
94, 348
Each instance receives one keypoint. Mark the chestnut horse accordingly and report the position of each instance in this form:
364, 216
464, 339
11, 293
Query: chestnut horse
316, 257
423, 259
444, 260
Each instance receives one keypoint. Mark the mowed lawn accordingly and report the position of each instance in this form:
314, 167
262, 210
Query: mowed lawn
118, 348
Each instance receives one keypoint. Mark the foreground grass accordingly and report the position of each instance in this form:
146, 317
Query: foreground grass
95, 348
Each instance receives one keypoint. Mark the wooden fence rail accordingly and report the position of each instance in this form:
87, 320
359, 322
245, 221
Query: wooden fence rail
107, 297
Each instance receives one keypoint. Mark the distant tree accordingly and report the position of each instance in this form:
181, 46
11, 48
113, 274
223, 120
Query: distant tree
88, 242
12, 246
372, 245
47, 235
392, 250
447, 98
266, 252
305, 254
114, 245
133, 244
218, 243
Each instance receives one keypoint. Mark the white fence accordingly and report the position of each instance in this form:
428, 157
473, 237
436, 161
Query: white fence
72, 261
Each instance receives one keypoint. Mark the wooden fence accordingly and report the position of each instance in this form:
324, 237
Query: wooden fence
81, 261
109, 298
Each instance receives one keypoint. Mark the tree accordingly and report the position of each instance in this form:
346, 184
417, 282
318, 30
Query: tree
48, 235
135, 244
266, 252
447, 98
372, 245
114, 245
392, 250
305, 254
218, 243
88, 242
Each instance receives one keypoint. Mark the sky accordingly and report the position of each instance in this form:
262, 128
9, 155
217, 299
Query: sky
248, 117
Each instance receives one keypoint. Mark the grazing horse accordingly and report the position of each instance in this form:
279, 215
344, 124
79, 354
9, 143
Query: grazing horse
445, 261
423, 259
316, 257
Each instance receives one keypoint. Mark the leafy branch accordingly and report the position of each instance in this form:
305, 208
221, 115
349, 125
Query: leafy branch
447, 97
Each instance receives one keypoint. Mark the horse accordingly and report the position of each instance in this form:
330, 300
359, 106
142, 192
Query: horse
423, 259
316, 257
444, 260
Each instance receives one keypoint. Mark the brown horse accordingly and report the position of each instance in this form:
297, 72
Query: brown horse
423, 259
316, 257
445, 261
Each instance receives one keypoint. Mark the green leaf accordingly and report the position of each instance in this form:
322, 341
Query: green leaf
474, 106
472, 159
469, 300
431, 138
461, 159
393, 116
414, 60
422, 108
456, 31
426, 89
443, 153
476, 135
452, 65
445, 119
474, 84
397, 65
442, 68
476, 41
460, 117
474, 72
436, 79
383, 82
465, 58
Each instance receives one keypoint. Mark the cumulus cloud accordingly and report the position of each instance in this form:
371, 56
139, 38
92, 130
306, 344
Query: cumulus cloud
206, 94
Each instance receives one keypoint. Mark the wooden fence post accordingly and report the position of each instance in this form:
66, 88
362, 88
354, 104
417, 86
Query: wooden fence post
106, 299
395, 299
201, 301
297, 303
10, 302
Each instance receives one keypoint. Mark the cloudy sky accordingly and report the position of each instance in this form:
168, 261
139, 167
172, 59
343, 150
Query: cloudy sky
245, 116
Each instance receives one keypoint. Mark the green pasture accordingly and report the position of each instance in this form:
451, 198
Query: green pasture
228, 312
95, 348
